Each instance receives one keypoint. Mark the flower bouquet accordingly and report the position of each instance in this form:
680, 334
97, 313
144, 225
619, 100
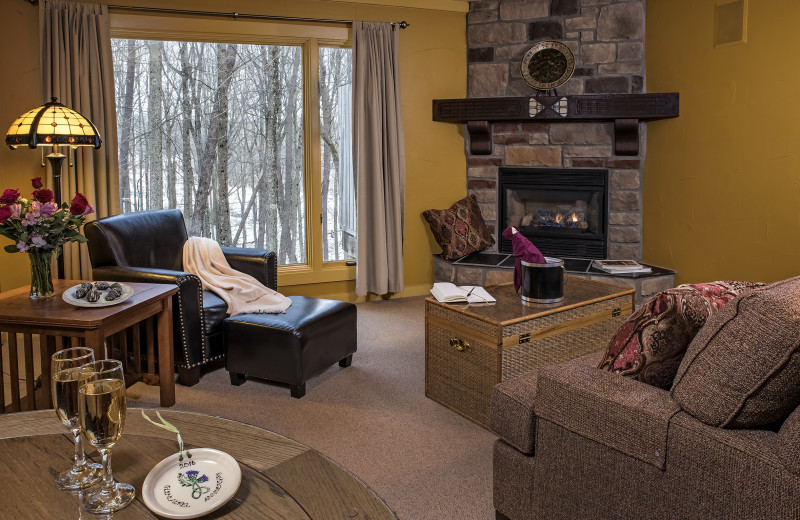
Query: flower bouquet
39, 227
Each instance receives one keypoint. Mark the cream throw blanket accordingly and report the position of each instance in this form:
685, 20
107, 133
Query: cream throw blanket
244, 294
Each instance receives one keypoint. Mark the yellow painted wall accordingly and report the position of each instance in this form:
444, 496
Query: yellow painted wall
722, 181
433, 65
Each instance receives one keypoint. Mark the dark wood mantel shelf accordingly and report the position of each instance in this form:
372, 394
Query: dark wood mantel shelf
625, 110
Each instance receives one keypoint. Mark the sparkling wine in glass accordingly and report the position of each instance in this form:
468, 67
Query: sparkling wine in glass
102, 369
101, 410
65, 366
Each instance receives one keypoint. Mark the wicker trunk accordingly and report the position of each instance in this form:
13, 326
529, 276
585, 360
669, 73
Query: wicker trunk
471, 348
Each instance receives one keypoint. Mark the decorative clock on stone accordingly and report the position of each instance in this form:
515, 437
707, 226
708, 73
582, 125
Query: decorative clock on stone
547, 65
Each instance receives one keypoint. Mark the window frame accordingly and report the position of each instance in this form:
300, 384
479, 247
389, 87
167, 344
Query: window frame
309, 37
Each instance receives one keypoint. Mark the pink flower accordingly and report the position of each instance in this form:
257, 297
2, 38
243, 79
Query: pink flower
37, 183
38, 241
16, 210
9, 196
22, 246
30, 219
5, 213
48, 209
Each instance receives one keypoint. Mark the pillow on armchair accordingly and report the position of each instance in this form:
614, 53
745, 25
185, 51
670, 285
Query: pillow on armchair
650, 344
459, 230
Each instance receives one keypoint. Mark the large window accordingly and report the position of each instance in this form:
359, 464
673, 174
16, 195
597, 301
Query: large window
222, 131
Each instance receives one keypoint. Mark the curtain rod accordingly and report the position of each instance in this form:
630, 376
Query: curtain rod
236, 15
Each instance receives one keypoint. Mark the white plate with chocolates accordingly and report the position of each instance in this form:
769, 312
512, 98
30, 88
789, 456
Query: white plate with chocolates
97, 294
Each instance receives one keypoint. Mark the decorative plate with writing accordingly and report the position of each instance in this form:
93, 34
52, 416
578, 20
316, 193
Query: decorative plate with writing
547, 65
189, 487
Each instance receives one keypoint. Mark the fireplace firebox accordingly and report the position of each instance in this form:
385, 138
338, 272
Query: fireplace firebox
564, 212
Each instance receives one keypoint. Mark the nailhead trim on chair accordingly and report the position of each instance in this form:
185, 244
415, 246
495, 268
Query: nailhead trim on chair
203, 346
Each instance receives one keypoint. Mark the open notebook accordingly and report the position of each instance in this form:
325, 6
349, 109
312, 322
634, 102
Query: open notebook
450, 293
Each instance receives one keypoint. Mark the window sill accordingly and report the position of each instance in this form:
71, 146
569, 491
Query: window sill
304, 274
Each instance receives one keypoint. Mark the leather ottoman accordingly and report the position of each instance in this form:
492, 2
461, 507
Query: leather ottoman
292, 347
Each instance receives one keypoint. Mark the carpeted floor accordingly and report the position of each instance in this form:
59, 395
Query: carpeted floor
373, 418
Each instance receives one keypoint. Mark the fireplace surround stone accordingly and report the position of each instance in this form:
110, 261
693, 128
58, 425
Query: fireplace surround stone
607, 40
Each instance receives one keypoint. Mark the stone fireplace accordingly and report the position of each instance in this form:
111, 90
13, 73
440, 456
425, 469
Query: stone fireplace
602, 129
607, 40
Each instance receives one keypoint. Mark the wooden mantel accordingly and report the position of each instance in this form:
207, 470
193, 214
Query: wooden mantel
625, 110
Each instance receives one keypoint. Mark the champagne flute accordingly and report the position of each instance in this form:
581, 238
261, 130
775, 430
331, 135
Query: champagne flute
102, 369
101, 410
65, 367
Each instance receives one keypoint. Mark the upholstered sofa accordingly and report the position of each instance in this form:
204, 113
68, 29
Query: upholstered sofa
579, 442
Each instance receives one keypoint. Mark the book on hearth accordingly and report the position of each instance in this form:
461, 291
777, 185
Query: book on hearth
447, 292
620, 266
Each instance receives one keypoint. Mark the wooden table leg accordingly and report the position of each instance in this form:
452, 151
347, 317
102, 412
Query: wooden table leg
96, 340
166, 355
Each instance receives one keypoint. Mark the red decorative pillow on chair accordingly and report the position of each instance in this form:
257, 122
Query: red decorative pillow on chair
652, 341
459, 230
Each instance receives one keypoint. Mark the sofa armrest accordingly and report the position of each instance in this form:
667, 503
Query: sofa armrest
261, 264
511, 414
624, 414
191, 348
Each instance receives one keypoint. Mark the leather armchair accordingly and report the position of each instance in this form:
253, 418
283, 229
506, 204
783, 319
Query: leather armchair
147, 246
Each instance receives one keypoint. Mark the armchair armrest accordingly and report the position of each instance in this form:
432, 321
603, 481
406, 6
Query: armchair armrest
118, 273
624, 414
261, 264
191, 348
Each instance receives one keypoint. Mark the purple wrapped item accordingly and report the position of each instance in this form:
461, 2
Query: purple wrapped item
524, 250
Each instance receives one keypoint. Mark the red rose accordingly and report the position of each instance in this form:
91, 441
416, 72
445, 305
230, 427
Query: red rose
9, 197
5, 212
44, 196
37, 183
79, 205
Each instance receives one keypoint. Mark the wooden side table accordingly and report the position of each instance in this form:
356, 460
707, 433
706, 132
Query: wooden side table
52, 319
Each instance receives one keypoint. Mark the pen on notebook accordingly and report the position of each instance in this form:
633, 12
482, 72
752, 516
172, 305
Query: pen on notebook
470, 291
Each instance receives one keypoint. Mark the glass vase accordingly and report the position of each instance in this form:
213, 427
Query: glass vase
41, 277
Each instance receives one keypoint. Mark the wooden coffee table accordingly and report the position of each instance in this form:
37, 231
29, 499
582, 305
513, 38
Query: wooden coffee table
53, 320
281, 478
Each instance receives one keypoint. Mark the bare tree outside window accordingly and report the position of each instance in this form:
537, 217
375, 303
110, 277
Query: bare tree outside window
336, 130
216, 130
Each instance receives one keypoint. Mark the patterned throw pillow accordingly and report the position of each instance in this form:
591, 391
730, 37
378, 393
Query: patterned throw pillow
651, 343
459, 230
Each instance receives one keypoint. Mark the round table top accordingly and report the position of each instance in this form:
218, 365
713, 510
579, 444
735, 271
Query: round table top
281, 478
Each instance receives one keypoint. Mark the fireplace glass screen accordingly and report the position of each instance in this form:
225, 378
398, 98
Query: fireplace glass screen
563, 212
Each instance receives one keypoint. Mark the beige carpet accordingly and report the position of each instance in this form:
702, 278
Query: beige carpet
373, 418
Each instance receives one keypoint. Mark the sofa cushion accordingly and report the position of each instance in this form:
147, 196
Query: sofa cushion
743, 368
650, 344
459, 230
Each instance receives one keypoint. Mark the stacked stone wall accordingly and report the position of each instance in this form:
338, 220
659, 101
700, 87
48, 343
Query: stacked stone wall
607, 39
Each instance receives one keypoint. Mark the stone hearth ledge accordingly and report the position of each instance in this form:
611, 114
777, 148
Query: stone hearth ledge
645, 286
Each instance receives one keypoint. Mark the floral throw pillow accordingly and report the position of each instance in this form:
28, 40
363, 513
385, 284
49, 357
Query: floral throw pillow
650, 344
459, 230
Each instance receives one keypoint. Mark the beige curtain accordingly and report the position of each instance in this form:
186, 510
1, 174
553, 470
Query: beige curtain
378, 158
77, 69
